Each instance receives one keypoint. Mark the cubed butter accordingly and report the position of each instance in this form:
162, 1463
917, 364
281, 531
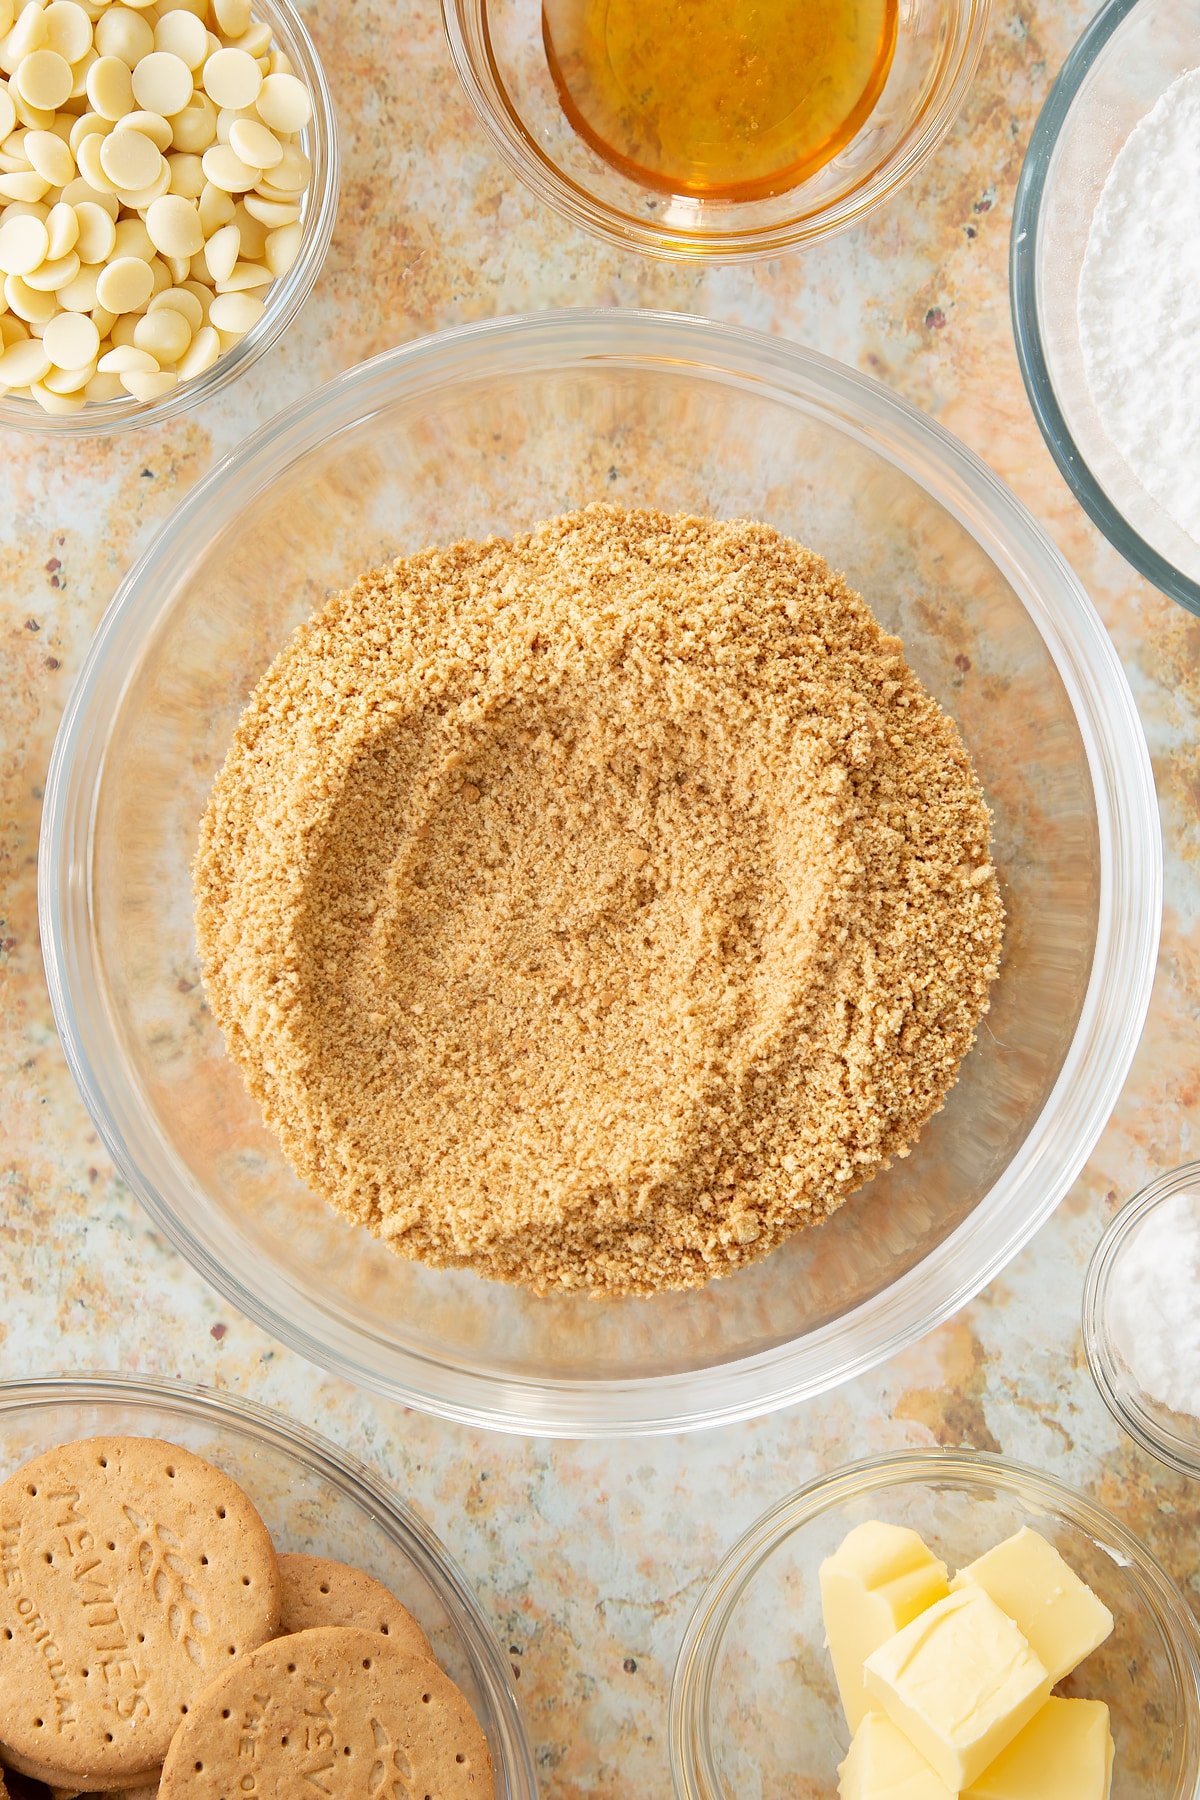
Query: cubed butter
1054, 1610
877, 1581
1064, 1753
882, 1765
960, 1682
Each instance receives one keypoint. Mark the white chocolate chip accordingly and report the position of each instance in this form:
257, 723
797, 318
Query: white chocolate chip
195, 128
71, 341
129, 159
174, 226
232, 78
68, 30
132, 239
69, 381
232, 16
110, 88
50, 157
151, 125
166, 334
283, 103
23, 245
23, 363
272, 213
43, 79
23, 186
202, 353
180, 300
149, 386
29, 33
245, 276
221, 252
291, 175
62, 229
103, 387
88, 124
283, 247
97, 233
35, 308
54, 275
79, 74
79, 295
139, 199
123, 33
125, 359
187, 175
51, 402
254, 144
163, 83
227, 170
235, 312
216, 208
183, 34
125, 285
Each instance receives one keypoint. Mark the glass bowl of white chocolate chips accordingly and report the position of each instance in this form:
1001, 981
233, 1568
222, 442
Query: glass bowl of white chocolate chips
1100, 1684
168, 188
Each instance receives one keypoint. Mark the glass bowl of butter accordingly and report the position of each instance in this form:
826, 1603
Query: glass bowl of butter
934, 1623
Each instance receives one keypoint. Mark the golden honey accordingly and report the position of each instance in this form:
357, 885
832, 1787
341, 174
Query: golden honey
722, 99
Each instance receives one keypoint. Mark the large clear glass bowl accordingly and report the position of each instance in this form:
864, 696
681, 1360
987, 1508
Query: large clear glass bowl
1124, 62
488, 429
313, 1498
754, 1709
501, 60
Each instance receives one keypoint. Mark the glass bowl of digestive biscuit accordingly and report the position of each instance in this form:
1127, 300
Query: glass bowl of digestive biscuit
743, 136
315, 1501
164, 212
758, 1712
490, 429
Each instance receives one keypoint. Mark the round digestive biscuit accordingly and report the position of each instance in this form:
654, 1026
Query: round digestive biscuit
131, 1573
317, 1592
335, 1711
35, 1778
49, 1791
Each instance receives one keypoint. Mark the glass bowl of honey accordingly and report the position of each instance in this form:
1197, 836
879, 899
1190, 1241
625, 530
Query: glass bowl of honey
718, 129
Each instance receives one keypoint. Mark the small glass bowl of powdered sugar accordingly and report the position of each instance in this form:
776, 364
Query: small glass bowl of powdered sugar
1141, 1318
1106, 283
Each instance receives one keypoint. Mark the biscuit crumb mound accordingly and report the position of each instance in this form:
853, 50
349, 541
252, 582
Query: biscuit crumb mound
595, 909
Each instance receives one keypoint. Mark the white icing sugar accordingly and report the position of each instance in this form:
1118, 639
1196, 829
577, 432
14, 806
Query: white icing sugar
1155, 1308
1139, 303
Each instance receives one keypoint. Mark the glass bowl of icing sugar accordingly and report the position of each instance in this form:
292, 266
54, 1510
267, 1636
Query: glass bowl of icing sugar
1106, 283
1141, 1318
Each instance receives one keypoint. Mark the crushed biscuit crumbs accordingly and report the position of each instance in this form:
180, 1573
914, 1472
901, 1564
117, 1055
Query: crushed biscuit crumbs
595, 909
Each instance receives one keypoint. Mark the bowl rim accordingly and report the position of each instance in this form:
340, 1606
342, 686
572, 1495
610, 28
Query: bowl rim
1114, 1007
1117, 1389
477, 72
693, 1767
285, 297
354, 1478
1024, 262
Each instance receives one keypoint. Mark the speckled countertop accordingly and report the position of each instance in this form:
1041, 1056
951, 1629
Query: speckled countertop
590, 1558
